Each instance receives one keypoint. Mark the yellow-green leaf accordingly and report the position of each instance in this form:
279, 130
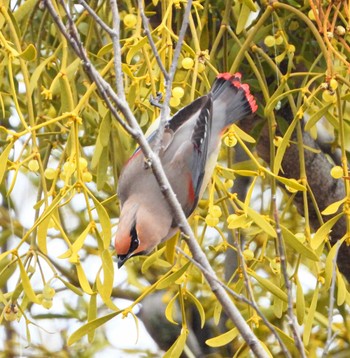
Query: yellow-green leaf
297, 245
342, 291
283, 146
292, 183
300, 302
217, 313
84, 283
331, 263
42, 234
90, 326
26, 8
3, 160
78, 243
317, 116
242, 18
250, 4
108, 272
323, 231
170, 279
27, 287
105, 223
29, 54
199, 306
71, 287
135, 49
333, 208
177, 348
246, 173
169, 310
150, 260
222, 339
105, 49
269, 286
242, 134
4, 254
92, 314
309, 320
260, 221
33, 83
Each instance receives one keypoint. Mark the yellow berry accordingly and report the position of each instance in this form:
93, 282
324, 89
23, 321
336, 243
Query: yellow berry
187, 63
275, 266
178, 92
311, 15
333, 84
130, 20
50, 173
279, 40
174, 102
291, 48
87, 177
48, 292
211, 221
215, 211
337, 172
340, 30
329, 97
33, 165
230, 139
248, 254
68, 168
201, 67
228, 183
270, 41
277, 141
82, 163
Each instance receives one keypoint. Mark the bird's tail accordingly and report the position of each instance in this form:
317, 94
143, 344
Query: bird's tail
232, 99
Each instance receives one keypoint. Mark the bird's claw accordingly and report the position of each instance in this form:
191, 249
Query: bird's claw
155, 100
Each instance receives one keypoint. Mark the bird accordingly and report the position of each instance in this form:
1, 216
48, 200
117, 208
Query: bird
189, 150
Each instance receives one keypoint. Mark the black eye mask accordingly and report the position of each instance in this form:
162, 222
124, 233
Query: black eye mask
134, 244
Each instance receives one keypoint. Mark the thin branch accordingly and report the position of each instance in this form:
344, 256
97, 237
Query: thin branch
147, 30
153, 159
331, 337
241, 298
94, 15
254, 305
117, 50
165, 110
292, 321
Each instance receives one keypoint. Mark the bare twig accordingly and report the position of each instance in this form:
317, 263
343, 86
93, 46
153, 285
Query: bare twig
165, 110
250, 302
150, 39
94, 15
117, 50
134, 129
331, 337
254, 305
292, 321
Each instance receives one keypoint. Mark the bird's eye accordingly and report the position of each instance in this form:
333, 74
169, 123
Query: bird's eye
135, 242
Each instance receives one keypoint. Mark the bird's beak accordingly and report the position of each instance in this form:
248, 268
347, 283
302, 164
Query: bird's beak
122, 259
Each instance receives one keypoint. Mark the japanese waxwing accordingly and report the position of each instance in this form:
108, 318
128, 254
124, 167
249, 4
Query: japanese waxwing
189, 152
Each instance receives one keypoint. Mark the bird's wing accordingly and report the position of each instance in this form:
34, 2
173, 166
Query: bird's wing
186, 156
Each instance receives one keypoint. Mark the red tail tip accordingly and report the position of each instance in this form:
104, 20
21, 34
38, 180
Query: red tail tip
235, 79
